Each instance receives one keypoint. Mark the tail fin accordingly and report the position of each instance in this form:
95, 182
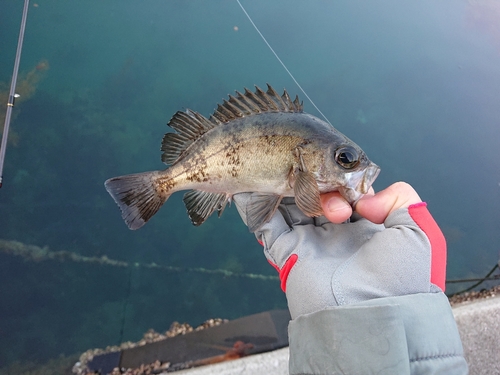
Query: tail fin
137, 197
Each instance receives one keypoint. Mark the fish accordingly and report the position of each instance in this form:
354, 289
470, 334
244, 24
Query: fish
255, 142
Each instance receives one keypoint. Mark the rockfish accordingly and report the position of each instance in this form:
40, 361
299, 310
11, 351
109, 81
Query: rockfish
261, 143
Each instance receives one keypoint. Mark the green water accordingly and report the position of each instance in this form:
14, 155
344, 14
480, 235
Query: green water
415, 84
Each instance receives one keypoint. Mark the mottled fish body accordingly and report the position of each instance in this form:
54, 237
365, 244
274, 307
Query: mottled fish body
255, 142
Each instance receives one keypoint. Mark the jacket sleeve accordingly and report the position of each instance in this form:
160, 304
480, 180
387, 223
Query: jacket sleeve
411, 334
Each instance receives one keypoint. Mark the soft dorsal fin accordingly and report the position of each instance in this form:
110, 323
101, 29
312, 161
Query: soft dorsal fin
190, 125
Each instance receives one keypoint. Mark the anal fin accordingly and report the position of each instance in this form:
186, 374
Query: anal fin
307, 194
201, 204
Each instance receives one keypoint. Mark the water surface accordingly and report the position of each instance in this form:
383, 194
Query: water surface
415, 84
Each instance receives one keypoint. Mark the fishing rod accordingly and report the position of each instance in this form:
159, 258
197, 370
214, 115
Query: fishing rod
12, 93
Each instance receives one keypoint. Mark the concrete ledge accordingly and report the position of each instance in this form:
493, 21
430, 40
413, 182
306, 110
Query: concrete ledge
275, 363
478, 323
479, 326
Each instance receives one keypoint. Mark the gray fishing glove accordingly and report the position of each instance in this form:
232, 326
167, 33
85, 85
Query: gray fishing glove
323, 265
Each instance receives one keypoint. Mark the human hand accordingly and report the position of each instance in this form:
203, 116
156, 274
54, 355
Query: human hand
374, 207
323, 262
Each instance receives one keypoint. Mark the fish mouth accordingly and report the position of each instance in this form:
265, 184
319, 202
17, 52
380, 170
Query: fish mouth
358, 183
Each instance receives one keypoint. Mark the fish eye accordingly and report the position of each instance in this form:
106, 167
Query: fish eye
347, 157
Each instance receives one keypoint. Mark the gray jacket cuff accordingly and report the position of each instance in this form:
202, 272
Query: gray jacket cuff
412, 334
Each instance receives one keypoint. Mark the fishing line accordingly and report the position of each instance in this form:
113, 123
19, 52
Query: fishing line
281, 62
479, 280
12, 94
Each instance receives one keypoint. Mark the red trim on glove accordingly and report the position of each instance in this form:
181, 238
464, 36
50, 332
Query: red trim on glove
426, 222
274, 265
290, 262
287, 267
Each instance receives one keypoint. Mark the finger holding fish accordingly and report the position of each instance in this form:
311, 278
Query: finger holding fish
374, 207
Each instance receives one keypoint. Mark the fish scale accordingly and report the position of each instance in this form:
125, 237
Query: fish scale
260, 143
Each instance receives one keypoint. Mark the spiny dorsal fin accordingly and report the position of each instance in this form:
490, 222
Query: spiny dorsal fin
189, 126
250, 103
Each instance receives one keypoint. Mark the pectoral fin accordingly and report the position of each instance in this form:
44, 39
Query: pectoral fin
307, 194
260, 208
